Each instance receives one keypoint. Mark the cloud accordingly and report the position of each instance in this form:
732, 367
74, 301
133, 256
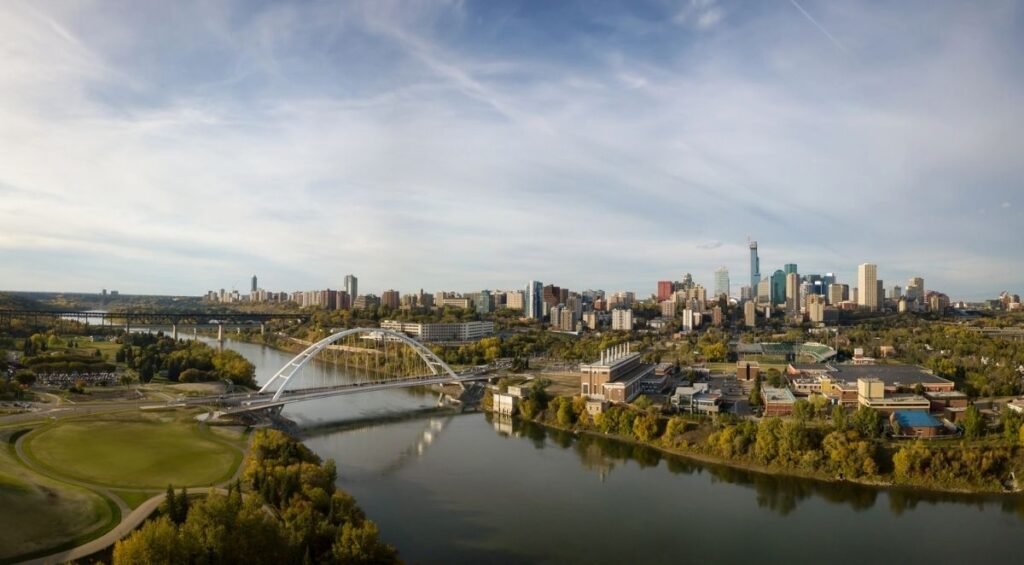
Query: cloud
818, 25
701, 14
480, 145
1005, 205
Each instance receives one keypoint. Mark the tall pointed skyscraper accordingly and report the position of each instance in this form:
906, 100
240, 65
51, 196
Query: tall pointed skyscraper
755, 265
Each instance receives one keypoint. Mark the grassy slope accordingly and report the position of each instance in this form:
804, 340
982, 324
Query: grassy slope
37, 513
133, 451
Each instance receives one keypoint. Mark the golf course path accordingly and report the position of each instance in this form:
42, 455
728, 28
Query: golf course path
128, 523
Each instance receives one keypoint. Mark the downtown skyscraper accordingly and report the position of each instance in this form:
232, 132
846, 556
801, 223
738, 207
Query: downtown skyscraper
722, 281
867, 286
755, 266
533, 300
352, 286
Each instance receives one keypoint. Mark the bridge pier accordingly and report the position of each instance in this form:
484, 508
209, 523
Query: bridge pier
220, 333
263, 328
195, 334
174, 332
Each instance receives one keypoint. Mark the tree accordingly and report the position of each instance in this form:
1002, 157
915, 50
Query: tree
839, 418
360, 543
528, 408
182, 505
716, 352
755, 393
774, 377
766, 444
645, 427
867, 422
156, 543
170, 506
973, 422
25, 377
566, 416
802, 410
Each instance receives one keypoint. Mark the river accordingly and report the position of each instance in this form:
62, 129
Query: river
469, 489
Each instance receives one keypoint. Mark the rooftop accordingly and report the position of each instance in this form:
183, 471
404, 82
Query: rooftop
891, 375
945, 394
772, 394
915, 420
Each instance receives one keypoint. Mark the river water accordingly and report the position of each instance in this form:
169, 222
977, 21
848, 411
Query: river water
471, 489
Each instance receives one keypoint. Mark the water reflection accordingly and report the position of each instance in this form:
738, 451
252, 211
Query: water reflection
778, 493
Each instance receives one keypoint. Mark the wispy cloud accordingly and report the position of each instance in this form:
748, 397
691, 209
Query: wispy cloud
820, 27
480, 145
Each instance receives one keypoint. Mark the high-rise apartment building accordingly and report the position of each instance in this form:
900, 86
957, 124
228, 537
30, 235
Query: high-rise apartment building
764, 291
533, 300
915, 289
254, 286
867, 286
716, 315
749, 314
514, 300
838, 293
755, 265
390, 299
352, 286
792, 292
665, 289
483, 302
816, 308
721, 282
778, 287
551, 295
622, 319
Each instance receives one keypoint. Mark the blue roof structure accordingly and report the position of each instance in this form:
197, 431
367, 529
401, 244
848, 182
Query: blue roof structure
910, 419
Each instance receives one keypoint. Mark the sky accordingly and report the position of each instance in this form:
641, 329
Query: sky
175, 147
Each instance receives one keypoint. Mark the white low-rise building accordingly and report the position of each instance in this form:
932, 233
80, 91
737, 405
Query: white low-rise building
462, 331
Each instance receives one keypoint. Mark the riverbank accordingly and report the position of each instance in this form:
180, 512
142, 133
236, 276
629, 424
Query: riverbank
770, 470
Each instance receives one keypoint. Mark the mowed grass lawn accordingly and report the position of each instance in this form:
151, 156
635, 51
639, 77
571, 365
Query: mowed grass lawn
134, 451
38, 514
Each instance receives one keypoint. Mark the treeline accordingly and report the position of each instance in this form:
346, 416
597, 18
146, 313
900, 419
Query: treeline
183, 361
68, 363
538, 343
981, 365
815, 442
293, 513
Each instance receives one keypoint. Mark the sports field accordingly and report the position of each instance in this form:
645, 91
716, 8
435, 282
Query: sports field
134, 451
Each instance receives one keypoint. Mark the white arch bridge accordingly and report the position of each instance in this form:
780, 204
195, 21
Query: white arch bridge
371, 359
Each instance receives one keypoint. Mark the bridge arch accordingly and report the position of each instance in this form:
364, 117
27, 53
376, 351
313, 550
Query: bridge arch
285, 374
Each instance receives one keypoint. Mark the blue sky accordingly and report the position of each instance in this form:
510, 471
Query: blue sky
175, 147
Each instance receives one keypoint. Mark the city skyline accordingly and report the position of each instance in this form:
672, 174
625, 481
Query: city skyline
450, 145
